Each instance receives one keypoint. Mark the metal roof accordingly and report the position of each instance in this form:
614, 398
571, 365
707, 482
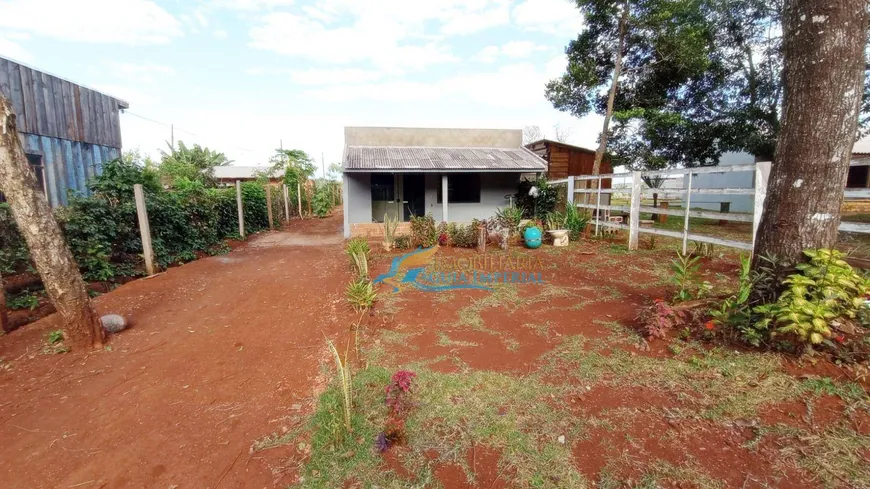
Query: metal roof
428, 159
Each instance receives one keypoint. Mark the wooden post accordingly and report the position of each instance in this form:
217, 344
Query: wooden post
686, 208
269, 205
570, 199
286, 203
299, 197
598, 207
241, 211
724, 208
308, 194
634, 212
762, 173
144, 228
663, 218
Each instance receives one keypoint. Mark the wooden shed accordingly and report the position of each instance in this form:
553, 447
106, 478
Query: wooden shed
68, 131
566, 159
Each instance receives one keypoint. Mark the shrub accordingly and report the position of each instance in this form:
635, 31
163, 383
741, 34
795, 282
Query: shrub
686, 275
389, 227
537, 207
403, 242
825, 288
423, 232
660, 318
22, 301
575, 221
399, 404
321, 202
358, 250
361, 294
462, 236
509, 218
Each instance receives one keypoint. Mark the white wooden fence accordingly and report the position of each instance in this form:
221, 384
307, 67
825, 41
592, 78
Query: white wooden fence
638, 192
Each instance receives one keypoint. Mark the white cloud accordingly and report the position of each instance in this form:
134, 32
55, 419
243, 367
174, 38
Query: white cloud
133, 22
512, 49
11, 49
558, 17
220, 34
476, 18
316, 76
250, 4
369, 40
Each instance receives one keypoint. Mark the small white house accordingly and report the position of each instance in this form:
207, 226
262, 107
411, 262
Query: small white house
456, 175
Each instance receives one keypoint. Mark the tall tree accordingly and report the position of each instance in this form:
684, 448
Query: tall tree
823, 80
195, 163
48, 249
638, 50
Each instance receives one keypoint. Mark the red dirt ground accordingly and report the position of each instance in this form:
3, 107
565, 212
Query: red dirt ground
223, 351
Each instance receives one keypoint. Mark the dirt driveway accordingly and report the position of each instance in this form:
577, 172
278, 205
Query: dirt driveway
223, 351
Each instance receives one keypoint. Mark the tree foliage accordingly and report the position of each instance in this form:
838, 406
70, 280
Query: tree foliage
194, 163
701, 77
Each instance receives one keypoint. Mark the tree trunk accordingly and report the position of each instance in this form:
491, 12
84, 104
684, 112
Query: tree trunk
4, 317
823, 78
54, 262
617, 70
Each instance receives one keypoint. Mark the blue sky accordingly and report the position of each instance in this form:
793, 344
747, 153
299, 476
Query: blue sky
241, 75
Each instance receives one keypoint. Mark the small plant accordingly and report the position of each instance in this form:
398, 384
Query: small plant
361, 294
23, 301
398, 400
661, 318
55, 344
402, 242
344, 383
462, 236
555, 220
358, 250
55, 336
576, 221
423, 232
509, 218
389, 227
685, 269
825, 288
706, 250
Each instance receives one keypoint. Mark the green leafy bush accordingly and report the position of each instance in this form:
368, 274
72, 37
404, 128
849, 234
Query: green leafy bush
537, 207
462, 236
22, 301
825, 288
423, 231
509, 218
575, 221
686, 275
321, 203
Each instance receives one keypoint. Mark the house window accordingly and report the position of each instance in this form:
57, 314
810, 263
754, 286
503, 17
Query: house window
35, 162
383, 187
461, 189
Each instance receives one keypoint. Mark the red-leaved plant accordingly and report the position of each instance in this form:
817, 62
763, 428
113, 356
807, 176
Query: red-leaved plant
660, 318
398, 400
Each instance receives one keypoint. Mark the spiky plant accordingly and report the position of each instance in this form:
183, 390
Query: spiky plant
344, 383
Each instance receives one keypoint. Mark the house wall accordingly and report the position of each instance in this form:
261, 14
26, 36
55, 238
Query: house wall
739, 203
412, 136
68, 165
358, 205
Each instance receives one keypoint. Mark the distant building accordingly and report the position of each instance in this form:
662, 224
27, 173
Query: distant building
227, 175
565, 160
68, 131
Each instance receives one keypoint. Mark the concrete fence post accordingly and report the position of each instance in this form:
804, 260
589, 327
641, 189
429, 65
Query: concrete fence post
634, 211
144, 229
762, 174
269, 205
286, 203
241, 211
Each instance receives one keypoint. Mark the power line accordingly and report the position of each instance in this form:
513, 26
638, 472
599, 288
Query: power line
176, 128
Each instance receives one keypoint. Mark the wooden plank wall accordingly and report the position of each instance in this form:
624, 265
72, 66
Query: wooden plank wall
49, 106
68, 165
566, 161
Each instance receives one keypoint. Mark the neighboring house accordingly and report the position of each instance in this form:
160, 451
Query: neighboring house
227, 175
565, 160
738, 179
404, 172
68, 131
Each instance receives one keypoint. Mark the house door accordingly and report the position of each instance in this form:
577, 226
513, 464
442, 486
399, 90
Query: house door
414, 195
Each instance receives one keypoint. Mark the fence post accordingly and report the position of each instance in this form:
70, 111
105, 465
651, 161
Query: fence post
687, 207
570, 200
299, 197
598, 207
286, 203
634, 211
144, 229
762, 173
241, 212
269, 205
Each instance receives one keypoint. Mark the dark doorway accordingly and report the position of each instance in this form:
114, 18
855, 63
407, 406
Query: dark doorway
415, 195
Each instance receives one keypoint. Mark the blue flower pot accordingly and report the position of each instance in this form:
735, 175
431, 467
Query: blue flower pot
532, 236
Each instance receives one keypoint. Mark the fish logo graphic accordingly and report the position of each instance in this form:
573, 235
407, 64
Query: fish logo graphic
413, 264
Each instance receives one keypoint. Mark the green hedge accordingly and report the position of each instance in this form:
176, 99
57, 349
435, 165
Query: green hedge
103, 232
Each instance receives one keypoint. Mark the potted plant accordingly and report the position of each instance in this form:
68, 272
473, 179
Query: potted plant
556, 228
